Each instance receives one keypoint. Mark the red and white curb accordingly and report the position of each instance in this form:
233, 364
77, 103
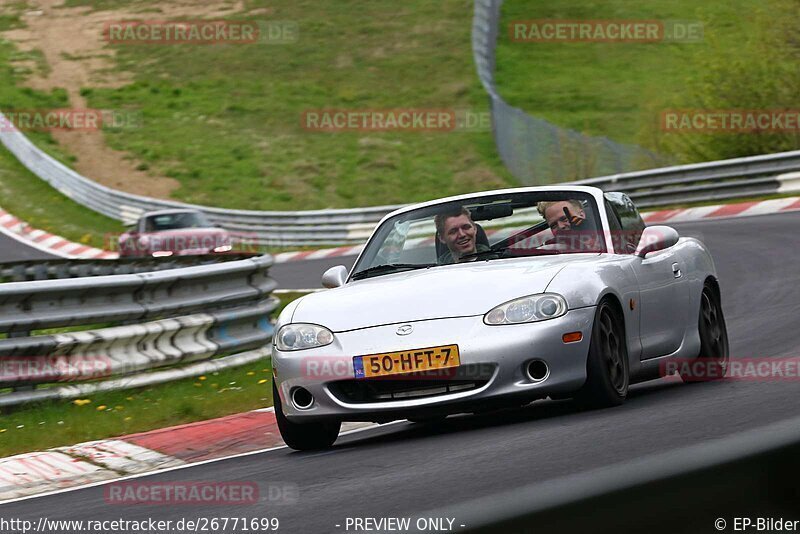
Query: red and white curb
724, 211
93, 462
47, 242
59, 246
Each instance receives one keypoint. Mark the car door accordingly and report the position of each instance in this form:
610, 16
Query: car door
663, 291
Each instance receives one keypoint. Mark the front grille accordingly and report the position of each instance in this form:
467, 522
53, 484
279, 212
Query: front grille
384, 390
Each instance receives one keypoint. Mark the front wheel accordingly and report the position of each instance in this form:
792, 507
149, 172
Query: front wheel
305, 436
714, 356
607, 374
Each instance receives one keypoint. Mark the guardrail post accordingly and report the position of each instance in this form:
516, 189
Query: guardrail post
22, 333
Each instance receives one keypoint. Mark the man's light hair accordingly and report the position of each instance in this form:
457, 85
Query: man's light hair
545, 205
455, 212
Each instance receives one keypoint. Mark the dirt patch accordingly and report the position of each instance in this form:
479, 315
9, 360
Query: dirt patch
70, 39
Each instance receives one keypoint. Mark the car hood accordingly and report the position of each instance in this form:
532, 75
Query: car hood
446, 291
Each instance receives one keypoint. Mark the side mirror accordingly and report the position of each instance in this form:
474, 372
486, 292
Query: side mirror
334, 277
655, 238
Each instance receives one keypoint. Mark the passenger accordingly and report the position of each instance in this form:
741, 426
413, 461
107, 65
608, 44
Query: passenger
562, 215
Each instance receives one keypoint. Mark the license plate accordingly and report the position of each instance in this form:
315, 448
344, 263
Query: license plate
406, 361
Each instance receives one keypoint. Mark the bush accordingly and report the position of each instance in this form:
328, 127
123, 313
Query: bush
760, 74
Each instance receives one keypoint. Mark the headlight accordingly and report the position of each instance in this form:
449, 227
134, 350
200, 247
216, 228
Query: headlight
527, 310
303, 336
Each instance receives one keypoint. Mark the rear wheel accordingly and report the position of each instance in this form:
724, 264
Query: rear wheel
714, 356
305, 436
607, 373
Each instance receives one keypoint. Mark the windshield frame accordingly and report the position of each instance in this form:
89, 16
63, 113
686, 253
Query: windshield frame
199, 215
430, 209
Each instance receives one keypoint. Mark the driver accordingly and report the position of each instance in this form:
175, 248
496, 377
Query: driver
562, 215
456, 230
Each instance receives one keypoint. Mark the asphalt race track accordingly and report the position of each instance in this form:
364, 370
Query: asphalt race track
13, 250
404, 469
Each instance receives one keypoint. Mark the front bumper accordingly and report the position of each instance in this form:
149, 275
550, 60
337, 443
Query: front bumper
497, 353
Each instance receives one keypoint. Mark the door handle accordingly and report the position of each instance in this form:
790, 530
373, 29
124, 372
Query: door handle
676, 270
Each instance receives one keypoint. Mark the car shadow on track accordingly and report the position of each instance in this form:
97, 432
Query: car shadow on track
541, 410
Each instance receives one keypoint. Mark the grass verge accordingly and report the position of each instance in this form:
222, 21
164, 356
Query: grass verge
41, 206
611, 89
105, 415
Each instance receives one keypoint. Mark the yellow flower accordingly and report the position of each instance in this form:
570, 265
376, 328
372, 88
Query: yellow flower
250, 373
201, 377
101, 407
262, 381
119, 407
128, 418
129, 398
2, 430
198, 384
81, 402
85, 238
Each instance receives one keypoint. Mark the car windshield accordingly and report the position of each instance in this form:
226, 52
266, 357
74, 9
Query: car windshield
492, 227
174, 221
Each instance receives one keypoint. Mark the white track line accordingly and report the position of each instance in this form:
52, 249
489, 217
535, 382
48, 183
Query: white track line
179, 467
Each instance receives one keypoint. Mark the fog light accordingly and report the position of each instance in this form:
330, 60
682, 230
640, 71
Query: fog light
302, 398
537, 370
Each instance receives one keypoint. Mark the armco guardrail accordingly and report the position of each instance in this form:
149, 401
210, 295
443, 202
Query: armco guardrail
717, 180
155, 319
60, 268
273, 228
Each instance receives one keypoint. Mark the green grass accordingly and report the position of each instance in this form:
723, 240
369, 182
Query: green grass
225, 120
611, 89
22, 193
52, 424
43, 207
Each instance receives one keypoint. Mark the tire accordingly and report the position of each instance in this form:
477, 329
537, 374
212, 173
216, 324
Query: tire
607, 372
305, 436
714, 350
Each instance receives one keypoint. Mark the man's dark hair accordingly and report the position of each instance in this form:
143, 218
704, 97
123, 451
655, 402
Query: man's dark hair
453, 212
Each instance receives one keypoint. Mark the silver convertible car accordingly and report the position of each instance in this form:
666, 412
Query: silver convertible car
496, 299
